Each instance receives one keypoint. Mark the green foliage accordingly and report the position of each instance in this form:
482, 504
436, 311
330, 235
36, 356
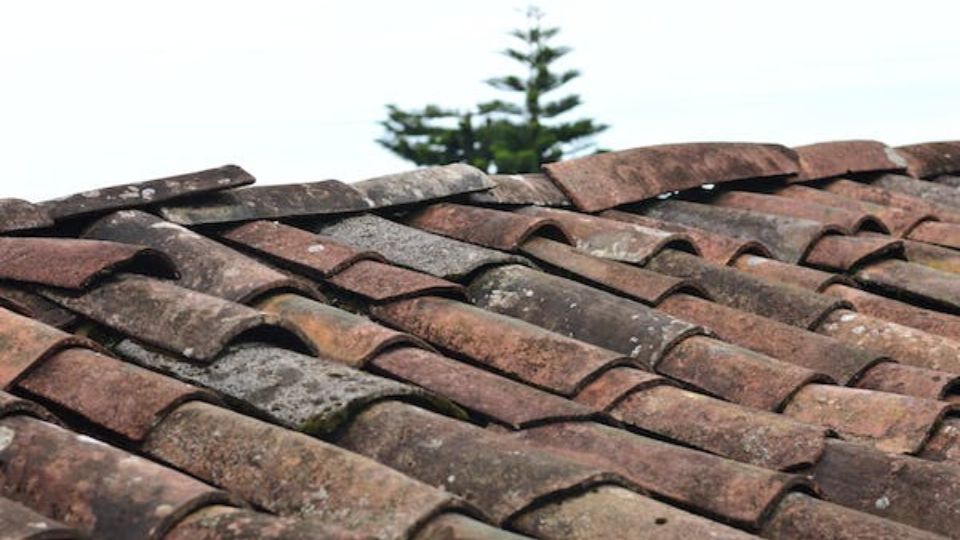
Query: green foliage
500, 135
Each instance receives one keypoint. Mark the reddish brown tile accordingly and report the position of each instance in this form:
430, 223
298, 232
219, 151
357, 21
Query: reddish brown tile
25, 342
508, 345
845, 253
581, 312
193, 325
913, 491
632, 281
734, 373
76, 264
268, 202
788, 238
897, 220
205, 265
20, 523
226, 523
299, 250
382, 282
891, 422
292, 474
334, 333
612, 239
521, 189
603, 181
100, 490
921, 284
802, 516
730, 287
842, 363
747, 435
714, 247
114, 395
735, 492
505, 401
484, 226
147, 193
937, 233
838, 158
881, 307
829, 216
933, 158
790, 274
422, 185
909, 380
902, 343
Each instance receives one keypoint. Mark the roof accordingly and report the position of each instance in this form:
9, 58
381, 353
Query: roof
690, 340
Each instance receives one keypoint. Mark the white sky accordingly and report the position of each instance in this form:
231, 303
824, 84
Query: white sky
102, 92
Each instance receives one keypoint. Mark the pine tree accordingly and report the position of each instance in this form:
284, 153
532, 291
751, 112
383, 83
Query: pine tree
500, 135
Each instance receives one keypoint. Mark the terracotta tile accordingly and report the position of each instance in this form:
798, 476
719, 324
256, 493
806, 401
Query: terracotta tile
205, 265
788, 238
845, 253
612, 239
98, 489
932, 158
458, 457
913, 491
839, 158
504, 401
802, 516
301, 251
581, 312
842, 363
929, 191
114, 395
891, 422
733, 288
626, 279
790, 274
735, 492
410, 247
486, 227
267, 202
517, 348
292, 474
602, 181
20, 523
334, 333
910, 381
735, 374
743, 434
841, 219
381, 282
226, 523
898, 221
159, 313
422, 185
25, 342
22, 301
881, 307
521, 189
885, 197
921, 284
714, 247
20, 215
11, 405
614, 385
76, 264
937, 233
293, 390
612, 511
148, 193
902, 343
940, 258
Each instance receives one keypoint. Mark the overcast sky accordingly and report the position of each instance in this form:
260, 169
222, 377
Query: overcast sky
104, 92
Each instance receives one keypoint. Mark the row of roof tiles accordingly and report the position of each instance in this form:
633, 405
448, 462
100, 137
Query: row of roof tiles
776, 359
